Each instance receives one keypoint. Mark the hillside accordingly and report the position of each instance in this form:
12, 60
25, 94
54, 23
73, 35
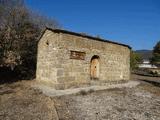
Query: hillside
145, 54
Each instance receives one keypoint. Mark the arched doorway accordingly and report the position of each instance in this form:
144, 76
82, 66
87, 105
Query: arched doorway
94, 67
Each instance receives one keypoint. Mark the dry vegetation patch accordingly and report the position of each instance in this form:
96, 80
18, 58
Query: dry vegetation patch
18, 101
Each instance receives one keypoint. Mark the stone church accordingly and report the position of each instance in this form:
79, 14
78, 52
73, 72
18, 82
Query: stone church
67, 59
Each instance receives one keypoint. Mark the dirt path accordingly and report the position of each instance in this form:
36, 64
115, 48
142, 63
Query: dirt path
49, 91
140, 77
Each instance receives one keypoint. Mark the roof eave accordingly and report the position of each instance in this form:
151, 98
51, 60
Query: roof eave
82, 35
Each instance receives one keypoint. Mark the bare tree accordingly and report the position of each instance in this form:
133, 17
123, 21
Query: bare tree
43, 21
19, 32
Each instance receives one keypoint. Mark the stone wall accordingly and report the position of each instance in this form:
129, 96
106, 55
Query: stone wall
55, 67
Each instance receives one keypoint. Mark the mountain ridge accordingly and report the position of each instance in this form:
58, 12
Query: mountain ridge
145, 54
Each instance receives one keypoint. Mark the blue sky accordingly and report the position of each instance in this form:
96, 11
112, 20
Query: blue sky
132, 22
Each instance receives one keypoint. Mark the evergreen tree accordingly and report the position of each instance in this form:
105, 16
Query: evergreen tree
156, 54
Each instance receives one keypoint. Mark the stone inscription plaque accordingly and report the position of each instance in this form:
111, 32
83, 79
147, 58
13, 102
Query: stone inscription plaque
77, 55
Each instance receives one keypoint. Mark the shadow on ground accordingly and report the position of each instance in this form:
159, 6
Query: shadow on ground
8, 76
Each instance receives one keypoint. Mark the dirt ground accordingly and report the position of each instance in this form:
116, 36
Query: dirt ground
140, 103
138, 77
18, 101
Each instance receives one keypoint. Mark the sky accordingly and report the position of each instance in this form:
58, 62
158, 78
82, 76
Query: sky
132, 22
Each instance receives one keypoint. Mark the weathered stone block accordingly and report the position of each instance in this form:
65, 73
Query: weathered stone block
60, 72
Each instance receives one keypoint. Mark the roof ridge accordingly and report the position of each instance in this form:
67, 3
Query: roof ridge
88, 36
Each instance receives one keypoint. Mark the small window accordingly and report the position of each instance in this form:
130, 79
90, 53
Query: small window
77, 55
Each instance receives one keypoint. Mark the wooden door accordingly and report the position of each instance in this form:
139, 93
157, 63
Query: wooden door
94, 68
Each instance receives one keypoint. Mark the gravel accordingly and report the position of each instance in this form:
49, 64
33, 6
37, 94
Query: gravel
140, 103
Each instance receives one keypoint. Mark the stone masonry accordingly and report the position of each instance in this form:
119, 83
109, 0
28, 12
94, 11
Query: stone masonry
65, 59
